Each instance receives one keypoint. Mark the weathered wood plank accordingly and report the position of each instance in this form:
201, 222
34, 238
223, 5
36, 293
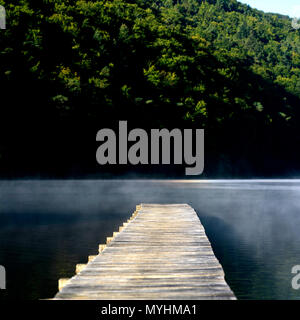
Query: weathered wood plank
162, 252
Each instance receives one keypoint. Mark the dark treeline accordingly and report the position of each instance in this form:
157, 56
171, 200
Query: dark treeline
70, 68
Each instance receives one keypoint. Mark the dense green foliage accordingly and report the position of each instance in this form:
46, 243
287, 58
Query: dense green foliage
68, 68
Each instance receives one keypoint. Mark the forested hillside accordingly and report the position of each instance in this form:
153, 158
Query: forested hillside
70, 68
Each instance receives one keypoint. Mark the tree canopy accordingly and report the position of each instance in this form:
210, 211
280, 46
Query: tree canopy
68, 68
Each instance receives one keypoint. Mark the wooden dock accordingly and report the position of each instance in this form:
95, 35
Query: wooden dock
162, 252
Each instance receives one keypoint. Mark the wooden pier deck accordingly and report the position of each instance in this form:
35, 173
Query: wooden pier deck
162, 252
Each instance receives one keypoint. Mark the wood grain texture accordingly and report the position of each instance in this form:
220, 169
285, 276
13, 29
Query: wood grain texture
162, 252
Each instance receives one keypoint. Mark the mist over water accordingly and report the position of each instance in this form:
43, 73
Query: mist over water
47, 227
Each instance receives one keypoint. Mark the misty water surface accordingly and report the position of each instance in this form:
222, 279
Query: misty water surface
47, 227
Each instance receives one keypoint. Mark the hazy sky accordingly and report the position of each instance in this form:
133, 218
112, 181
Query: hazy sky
288, 7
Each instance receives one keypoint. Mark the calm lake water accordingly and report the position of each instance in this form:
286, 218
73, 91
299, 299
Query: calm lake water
47, 227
